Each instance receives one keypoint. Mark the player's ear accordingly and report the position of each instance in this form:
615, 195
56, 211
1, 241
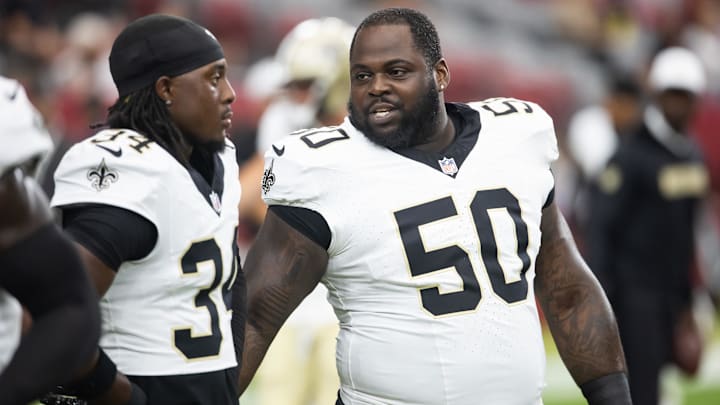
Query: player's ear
163, 89
442, 74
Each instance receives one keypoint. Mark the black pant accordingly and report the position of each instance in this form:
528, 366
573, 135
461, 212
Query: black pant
645, 324
212, 388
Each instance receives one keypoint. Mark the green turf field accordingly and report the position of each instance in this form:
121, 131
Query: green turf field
677, 389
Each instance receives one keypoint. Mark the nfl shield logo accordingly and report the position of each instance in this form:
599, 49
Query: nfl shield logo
448, 166
216, 203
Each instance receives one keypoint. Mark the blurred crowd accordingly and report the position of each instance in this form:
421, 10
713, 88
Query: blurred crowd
566, 55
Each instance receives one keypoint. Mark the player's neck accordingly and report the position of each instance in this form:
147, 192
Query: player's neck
443, 137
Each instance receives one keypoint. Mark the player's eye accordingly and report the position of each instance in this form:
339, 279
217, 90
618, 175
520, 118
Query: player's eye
397, 72
361, 76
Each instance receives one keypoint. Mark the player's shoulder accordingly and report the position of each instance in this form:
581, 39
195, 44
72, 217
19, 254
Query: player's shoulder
122, 147
316, 146
521, 125
124, 138
513, 112
113, 154
118, 167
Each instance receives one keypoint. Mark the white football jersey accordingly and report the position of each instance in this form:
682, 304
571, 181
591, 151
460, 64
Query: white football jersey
168, 313
431, 263
22, 133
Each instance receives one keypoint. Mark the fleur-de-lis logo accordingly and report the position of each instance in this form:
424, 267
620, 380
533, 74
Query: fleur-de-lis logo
268, 178
101, 176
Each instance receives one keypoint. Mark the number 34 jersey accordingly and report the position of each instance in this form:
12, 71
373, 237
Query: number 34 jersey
431, 261
169, 312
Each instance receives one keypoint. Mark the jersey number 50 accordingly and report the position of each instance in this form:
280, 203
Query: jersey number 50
423, 262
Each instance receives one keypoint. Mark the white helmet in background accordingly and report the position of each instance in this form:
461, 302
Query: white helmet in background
318, 50
23, 137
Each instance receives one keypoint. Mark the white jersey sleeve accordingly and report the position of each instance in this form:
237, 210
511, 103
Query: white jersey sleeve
23, 135
522, 122
296, 165
121, 168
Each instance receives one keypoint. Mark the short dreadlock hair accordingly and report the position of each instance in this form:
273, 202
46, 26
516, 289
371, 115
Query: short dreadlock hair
423, 30
143, 111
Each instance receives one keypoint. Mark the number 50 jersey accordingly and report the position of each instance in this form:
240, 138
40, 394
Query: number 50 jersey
167, 313
431, 261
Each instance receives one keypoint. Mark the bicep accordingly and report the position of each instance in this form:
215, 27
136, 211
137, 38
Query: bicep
560, 269
282, 267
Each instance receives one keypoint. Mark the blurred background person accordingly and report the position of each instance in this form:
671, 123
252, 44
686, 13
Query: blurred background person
641, 237
594, 131
312, 66
51, 287
593, 135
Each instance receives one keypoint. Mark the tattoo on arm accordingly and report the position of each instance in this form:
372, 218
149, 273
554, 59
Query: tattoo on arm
282, 267
577, 311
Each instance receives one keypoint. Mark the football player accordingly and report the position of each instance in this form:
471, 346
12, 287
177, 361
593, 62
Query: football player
434, 229
152, 203
40, 269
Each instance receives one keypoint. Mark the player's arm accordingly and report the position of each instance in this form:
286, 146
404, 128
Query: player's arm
579, 315
282, 267
40, 267
107, 236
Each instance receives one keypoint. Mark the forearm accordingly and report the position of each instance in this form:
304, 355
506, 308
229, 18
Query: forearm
254, 350
583, 326
268, 308
577, 311
584, 329
281, 269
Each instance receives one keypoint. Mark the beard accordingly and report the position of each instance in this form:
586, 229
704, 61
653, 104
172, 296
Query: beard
206, 146
416, 126
211, 147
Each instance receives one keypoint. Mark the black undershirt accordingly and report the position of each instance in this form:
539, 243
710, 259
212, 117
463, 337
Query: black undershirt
308, 222
114, 235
